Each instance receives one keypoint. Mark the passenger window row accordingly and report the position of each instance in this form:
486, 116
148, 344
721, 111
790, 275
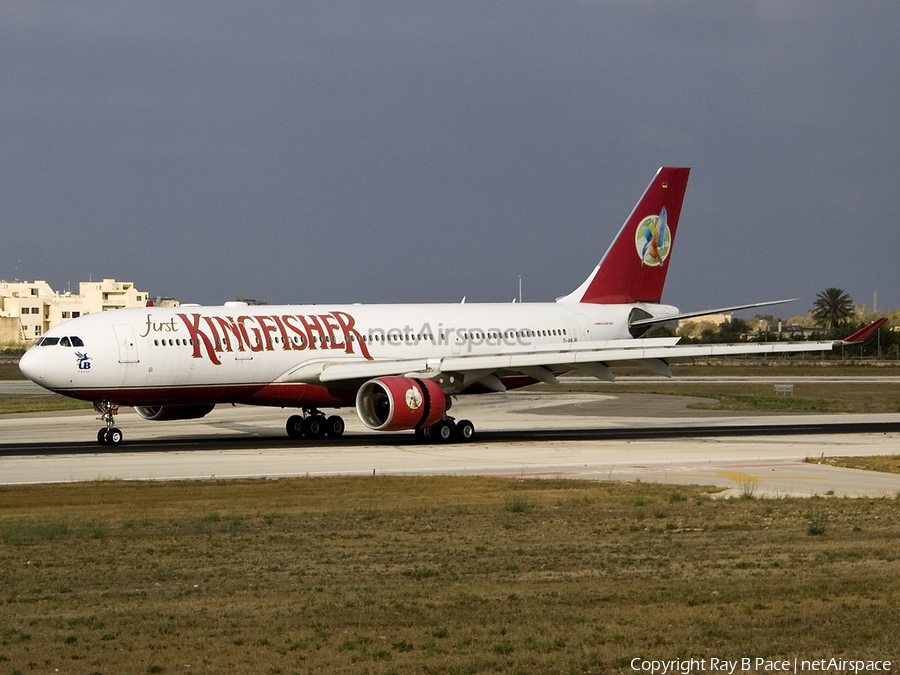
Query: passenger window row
556, 332
510, 334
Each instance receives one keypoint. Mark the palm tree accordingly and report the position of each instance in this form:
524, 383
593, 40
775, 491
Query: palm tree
833, 306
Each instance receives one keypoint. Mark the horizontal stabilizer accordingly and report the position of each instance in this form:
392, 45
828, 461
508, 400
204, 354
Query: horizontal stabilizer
654, 321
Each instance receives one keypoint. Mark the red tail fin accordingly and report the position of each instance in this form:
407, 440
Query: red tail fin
635, 266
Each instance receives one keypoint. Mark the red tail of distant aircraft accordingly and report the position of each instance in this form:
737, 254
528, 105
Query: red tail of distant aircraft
397, 364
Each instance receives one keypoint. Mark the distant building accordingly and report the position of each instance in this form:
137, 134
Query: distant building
109, 294
28, 309
694, 327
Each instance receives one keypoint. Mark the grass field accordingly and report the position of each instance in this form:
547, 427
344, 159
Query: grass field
23, 404
10, 371
885, 464
435, 575
816, 397
819, 397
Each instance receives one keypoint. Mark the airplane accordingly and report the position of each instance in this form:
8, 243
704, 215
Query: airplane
399, 365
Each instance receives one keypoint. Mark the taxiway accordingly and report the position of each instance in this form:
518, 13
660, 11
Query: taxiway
519, 434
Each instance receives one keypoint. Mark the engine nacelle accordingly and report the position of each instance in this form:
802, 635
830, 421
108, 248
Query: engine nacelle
396, 403
162, 413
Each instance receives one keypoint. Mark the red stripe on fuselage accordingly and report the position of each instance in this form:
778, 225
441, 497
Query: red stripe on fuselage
278, 395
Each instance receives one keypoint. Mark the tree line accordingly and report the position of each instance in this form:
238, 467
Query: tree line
832, 316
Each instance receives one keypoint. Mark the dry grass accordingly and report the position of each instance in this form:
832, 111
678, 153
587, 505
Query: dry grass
10, 371
818, 397
48, 403
434, 575
759, 367
885, 464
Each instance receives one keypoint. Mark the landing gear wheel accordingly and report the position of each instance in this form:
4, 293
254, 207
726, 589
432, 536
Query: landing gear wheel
114, 437
314, 426
109, 435
424, 434
442, 432
464, 431
295, 426
334, 426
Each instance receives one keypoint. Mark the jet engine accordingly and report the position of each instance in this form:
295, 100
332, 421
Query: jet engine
164, 413
396, 403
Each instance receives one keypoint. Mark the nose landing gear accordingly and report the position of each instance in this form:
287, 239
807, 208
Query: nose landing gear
110, 435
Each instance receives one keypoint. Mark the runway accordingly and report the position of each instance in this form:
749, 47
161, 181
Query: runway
519, 434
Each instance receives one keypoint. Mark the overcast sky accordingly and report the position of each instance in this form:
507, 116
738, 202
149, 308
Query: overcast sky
358, 151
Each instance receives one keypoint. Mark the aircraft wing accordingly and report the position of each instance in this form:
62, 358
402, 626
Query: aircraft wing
654, 354
353, 369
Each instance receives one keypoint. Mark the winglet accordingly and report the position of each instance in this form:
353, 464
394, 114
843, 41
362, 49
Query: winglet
864, 334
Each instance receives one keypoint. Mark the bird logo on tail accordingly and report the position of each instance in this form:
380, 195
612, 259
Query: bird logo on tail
653, 240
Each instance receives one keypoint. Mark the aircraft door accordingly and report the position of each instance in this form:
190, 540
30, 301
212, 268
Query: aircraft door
127, 344
584, 328
454, 338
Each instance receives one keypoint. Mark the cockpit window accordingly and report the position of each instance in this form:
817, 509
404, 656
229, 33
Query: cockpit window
49, 341
65, 342
76, 341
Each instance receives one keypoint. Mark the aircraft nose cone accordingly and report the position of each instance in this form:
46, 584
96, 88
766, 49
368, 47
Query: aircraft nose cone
33, 365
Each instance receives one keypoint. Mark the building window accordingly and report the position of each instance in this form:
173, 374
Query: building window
65, 315
75, 315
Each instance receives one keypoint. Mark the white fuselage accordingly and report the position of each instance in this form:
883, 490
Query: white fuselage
240, 353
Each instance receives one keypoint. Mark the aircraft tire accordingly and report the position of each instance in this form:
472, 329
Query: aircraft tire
314, 426
101, 437
295, 426
114, 437
465, 430
334, 426
442, 432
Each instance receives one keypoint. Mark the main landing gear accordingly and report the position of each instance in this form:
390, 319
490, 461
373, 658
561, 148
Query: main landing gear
314, 424
109, 435
447, 430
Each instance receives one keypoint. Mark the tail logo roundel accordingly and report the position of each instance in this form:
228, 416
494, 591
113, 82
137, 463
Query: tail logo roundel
653, 240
